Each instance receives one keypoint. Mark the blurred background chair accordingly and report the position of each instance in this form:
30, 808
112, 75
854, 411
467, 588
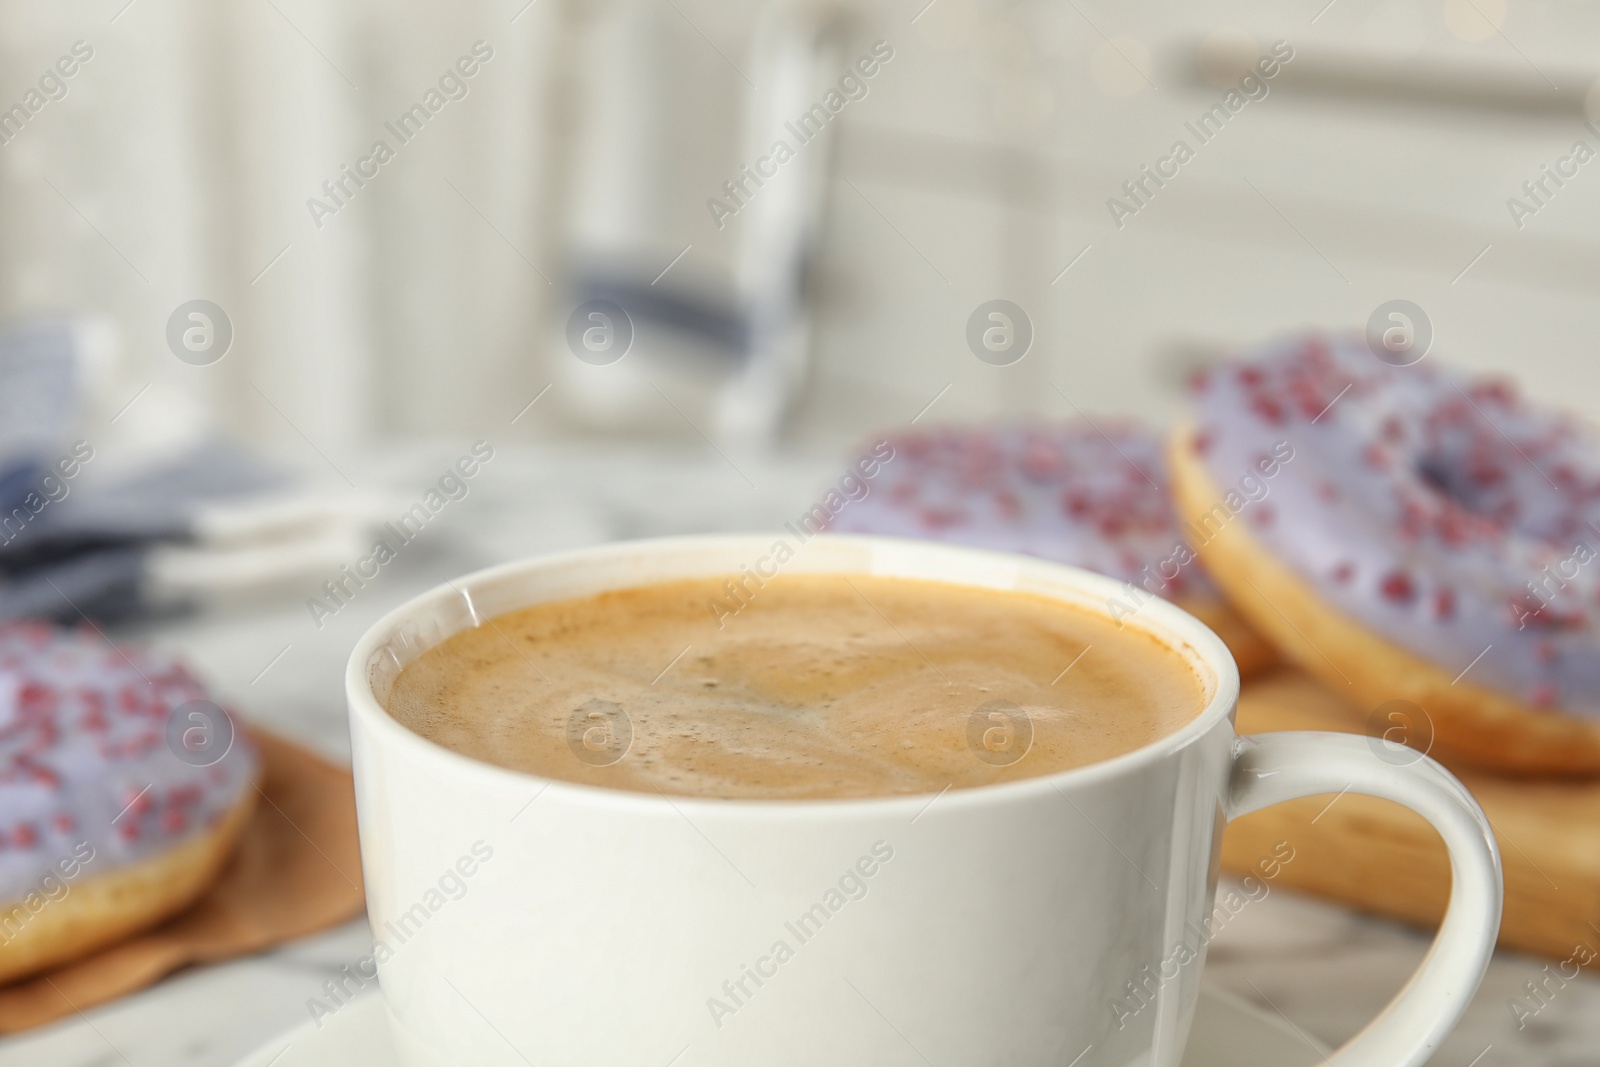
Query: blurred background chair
665, 142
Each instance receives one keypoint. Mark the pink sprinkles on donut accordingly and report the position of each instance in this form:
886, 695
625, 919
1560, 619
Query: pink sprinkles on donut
1445, 513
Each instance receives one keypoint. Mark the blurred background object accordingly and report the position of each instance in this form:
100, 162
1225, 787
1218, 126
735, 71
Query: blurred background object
659, 129
208, 527
180, 520
185, 156
43, 363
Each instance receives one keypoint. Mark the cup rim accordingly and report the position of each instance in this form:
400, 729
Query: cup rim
1160, 619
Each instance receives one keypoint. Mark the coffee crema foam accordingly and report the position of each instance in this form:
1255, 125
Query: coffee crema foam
825, 686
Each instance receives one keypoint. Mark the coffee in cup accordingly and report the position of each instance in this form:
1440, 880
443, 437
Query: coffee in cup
822, 686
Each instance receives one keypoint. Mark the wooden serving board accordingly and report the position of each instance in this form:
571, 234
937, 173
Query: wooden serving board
1378, 856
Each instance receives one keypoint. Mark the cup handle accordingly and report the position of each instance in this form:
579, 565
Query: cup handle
1271, 768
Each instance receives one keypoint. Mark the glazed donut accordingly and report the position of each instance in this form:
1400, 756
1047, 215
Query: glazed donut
1063, 492
104, 828
1422, 537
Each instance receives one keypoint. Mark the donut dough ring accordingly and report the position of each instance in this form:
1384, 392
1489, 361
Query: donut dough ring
101, 909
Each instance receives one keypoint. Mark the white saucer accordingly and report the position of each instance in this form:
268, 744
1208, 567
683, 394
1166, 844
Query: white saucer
1227, 1032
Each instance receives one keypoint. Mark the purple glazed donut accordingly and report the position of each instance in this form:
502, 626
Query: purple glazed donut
1093, 497
1432, 540
121, 790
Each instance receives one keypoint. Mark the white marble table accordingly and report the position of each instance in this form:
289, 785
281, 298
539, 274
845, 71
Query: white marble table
1324, 967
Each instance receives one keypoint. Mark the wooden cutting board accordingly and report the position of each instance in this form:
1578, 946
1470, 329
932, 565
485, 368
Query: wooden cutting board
1378, 856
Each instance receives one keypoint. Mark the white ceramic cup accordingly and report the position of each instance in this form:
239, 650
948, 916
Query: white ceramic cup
1058, 920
